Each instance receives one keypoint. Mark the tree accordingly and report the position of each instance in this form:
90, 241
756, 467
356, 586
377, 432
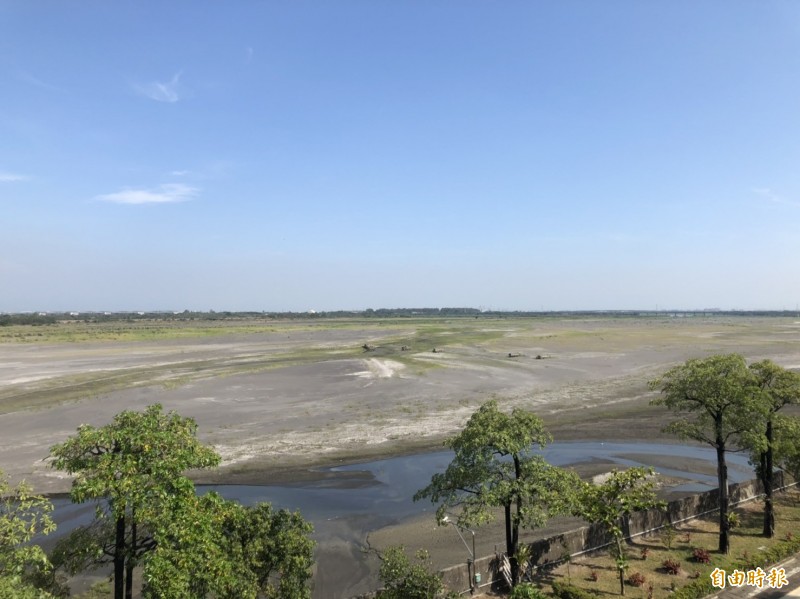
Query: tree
777, 388
787, 445
403, 579
275, 547
189, 559
494, 467
717, 399
217, 548
213, 547
136, 463
620, 495
23, 515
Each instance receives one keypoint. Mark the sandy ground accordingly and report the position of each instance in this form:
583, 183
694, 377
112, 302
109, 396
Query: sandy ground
275, 404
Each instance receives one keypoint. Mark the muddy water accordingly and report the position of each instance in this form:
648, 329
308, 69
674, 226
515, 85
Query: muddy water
346, 502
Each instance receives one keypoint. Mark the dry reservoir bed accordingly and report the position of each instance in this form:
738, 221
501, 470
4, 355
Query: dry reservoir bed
280, 398
290, 395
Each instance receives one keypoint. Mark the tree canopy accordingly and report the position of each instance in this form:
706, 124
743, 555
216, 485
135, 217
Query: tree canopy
620, 495
404, 579
716, 399
23, 515
787, 445
776, 388
149, 515
495, 466
212, 547
135, 463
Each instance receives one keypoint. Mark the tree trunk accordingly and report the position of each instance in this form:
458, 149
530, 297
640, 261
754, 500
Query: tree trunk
514, 561
620, 568
767, 479
515, 525
130, 563
509, 540
722, 479
119, 559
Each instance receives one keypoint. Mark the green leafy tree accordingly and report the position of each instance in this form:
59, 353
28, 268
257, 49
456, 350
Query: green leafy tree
190, 558
211, 547
717, 400
619, 496
136, 464
15, 588
275, 548
494, 466
23, 515
404, 579
787, 445
777, 388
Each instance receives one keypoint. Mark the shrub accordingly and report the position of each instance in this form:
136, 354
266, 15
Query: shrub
594, 576
671, 566
776, 553
645, 552
733, 520
406, 580
526, 591
636, 579
701, 556
697, 589
563, 590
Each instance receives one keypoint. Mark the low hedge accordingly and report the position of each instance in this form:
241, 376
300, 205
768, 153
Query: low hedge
563, 590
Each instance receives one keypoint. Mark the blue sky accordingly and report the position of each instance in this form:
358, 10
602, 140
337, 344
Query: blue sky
365, 153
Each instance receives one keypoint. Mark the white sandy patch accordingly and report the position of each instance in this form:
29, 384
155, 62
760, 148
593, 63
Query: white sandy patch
27, 379
345, 436
379, 369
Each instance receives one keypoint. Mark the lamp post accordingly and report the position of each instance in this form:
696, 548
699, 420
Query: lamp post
474, 576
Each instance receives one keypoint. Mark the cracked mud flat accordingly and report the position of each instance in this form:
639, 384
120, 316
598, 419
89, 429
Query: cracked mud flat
276, 404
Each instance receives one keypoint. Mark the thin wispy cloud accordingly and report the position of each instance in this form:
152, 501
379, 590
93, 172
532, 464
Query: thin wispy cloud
169, 193
179, 173
768, 195
36, 82
6, 177
169, 91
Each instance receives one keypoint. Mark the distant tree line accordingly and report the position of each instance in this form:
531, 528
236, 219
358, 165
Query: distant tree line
6, 320
42, 318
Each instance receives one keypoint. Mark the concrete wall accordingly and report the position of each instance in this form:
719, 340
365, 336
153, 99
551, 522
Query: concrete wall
591, 538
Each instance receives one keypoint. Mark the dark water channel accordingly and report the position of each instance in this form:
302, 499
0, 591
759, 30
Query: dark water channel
384, 488
346, 502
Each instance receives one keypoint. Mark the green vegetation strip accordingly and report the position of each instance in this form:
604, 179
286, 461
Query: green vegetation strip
122, 331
